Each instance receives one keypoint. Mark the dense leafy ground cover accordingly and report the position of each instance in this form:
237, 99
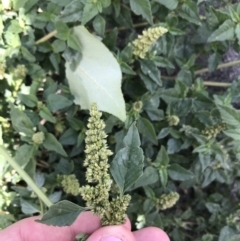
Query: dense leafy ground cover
139, 61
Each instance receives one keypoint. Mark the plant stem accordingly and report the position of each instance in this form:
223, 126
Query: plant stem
217, 84
46, 37
25, 176
220, 66
204, 70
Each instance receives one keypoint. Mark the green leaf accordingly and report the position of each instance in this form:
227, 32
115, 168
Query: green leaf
142, 7
213, 61
17, 4
28, 207
72, 12
98, 72
90, 11
27, 55
163, 133
99, 25
233, 133
63, 213
230, 115
24, 154
127, 69
189, 12
21, 122
224, 32
58, 46
62, 30
173, 145
150, 176
52, 144
170, 4
237, 32
127, 165
57, 102
28, 100
162, 158
178, 173
226, 233
150, 69
47, 115
163, 173
146, 128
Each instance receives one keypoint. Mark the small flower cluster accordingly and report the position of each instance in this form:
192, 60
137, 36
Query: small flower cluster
38, 138
70, 184
214, 130
167, 200
172, 120
143, 42
137, 106
20, 72
96, 161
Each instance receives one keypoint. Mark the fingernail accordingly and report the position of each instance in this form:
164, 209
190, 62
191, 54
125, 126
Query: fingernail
110, 238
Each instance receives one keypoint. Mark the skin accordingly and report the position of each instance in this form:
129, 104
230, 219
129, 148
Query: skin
29, 230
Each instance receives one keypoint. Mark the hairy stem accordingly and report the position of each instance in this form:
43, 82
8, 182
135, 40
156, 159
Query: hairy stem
25, 176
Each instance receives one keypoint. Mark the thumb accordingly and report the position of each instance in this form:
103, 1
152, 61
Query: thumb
112, 233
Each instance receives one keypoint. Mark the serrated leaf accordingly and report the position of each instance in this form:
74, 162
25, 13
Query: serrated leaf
162, 157
20, 121
224, 32
127, 165
178, 173
63, 213
97, 78
170, 4
150, 69
189, 12
52, 144
142, 7
230, 115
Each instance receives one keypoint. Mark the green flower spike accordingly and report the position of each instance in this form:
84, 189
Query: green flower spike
97, 153
168, 200
142, 44
70, 184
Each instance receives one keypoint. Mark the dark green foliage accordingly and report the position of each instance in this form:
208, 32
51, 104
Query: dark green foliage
178, 119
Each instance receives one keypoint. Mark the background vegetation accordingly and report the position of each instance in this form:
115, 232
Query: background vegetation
44, 129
